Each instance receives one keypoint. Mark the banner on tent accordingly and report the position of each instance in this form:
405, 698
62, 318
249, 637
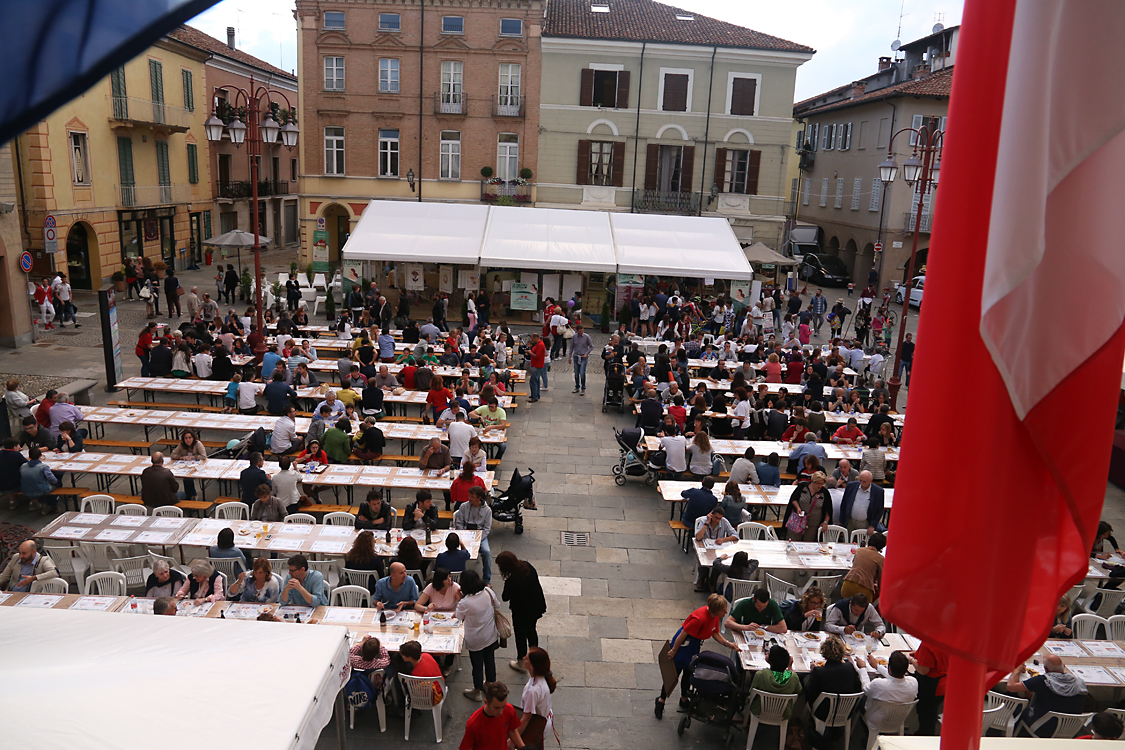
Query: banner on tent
630, 279
353, 272
740, 294
445, 279
468, 280
626, 293
415, 280
320, 251
524, 296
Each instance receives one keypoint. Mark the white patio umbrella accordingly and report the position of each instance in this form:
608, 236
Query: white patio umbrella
237, 239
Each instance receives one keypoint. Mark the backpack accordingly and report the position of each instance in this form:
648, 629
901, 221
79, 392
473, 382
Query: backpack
359, 691
258, 442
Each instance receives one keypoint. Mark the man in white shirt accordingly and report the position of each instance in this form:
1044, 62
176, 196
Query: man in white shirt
203, 364
247, 403
675, 452
285, 483
460, 433
285, 438
332, 403
856, 355
744, 471
66, 310
757, 317
893, 686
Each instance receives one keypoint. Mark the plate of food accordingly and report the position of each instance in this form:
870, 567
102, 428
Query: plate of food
848, 649
760, 633
880, 661
431, 548
244, 532
811, 636
439, 616
858, 635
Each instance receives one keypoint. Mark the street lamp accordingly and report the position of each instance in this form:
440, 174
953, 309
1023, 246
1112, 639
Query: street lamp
888, 170
911, 170
410, 179
260, 130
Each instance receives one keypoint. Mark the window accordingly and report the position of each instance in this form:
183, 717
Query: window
824, 192
452, 25
80, 158
739, 170
163, 172
388, 76
450, 168
742, 94
814, 138
189, 92
857, 190
120, 100
451, 82
333, 150
333, 74
125, 169
839, 193
884, 133
192, 164
601, 163
390, 22
275, 169
292, 170
604, 85
511, 27
228, 221
805, 192
508, 156
388, 153
156, 86
917, 121
509, 94
830, 137
876, 194
862, 144
675, 90
845, 136
334, 19
824, 137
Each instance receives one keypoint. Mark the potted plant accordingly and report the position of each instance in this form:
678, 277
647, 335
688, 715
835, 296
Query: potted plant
278, 296
486, 172
160, 267
525, 173
330, 305
605, 317
119, 280
244, 285
293, 268
309, 273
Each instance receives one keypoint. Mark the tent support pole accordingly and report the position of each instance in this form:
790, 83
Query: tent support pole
340, 714
706, 136
637, 133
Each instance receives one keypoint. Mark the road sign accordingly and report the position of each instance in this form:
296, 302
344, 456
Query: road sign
320, 222
878, 247
26, 262
50, 239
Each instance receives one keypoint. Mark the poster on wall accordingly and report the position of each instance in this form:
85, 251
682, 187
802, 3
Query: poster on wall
445, 279
532, 278
468, 280
320, 251
630, 279
524, 296
353, 274
740, 294
550, 286
415, 280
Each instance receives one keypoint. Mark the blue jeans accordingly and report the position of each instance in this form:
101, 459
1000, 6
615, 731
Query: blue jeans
144, 365
485, 560
776, 320
580, 372
537, 374
904, 372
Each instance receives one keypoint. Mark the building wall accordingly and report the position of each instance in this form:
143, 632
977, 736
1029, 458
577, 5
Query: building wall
15, 318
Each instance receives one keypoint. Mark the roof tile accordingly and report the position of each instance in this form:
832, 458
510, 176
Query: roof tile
199, 40
935, 84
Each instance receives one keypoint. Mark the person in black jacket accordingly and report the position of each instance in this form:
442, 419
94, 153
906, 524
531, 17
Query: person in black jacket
252, 477
836, 675
807, 615
230, 283
373, 513
421, 513
172, 292
160, 360
524, 595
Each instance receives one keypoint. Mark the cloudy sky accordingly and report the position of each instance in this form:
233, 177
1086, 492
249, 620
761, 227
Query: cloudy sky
849, 36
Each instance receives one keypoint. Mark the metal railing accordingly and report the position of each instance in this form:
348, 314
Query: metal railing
508, 106
153, 195
451, 104
133, 109
660, 201
509, 192
908, 222
238, 189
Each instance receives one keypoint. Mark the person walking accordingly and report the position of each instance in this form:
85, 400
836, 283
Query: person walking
172, 290
230, 283
66, 309
819, 308
537, 366
524, 595
537, 720
580, 347
477, 611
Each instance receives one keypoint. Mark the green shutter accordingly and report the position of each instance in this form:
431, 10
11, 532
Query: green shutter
192, 165
206, 225
125, 169
156, 80
120, 100
163, 173
189, 93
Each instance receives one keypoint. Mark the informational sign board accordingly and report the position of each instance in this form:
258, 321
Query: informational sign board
415, 279
740, 294
468, 280
352, 274
50, 235
524, 297
320, 251
107, 307
445, 279
630, 279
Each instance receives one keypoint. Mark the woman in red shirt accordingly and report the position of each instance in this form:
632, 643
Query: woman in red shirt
796, 432
700, 625
439, 395
144, 346
312, 452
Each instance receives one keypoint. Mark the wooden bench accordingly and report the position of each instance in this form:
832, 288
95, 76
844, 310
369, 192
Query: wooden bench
202, 506
445, 515
682, 532
134, 446
65, 493
171, 406
329, 509
173, 442
492, 462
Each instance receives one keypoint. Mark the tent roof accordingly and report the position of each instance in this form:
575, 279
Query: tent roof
759, 253
678, 246
419, 232
149, 669
548, 239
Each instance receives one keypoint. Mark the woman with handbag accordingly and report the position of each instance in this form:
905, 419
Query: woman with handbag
810, 509
677, 653
479, 612
524, 595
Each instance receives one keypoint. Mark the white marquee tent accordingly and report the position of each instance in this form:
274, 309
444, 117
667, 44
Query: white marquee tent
103, 680
548, 239
408, 231
659, 245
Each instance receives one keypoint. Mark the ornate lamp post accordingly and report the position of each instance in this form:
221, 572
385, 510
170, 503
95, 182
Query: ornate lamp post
257, 130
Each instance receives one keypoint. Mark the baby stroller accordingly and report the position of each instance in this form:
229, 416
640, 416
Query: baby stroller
614, 394
713, 693
506, 505
631, 464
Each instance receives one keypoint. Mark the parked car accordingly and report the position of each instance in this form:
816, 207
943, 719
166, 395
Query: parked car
915, 292
827, 270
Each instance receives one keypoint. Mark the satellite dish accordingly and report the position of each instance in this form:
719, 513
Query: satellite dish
895, 45
937, 27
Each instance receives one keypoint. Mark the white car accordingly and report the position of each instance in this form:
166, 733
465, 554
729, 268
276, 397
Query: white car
915, 292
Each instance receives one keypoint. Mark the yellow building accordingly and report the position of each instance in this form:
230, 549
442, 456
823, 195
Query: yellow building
122, 170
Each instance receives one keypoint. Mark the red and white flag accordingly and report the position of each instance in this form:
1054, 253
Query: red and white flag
1025, 299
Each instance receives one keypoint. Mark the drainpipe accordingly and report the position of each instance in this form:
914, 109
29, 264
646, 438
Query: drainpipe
637, 137
883, 197
706, 134
421, 97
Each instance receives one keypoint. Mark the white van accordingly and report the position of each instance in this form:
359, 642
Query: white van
915, 292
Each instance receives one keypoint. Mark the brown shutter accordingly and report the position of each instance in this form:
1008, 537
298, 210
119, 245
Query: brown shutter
687, 169
675, 92
618, 160
651, 160
623, 89
742, 96
583, 175
721, 169
586, 90
753, 163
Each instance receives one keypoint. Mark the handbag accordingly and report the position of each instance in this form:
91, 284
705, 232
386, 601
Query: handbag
180, 291
503, 626
797, 522
568, 333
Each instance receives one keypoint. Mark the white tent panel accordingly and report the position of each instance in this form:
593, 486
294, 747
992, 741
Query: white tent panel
141, 681
659, 245
548, 239
418, 232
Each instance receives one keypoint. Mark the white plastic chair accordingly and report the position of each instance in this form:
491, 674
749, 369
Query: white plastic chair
1118, 712
132, 509
153, 556
51, 586
316, 305
100, 555
380, 707
832, 535
773, 708
282, 278
1110, 599
825, 583
109, 583
894, 720
168, 510
754, 530
363, 578
98, 504
339, 519
1086, 627
228, 566
455, 576
841, 706
320, 282
1117, 628
859, 536
987, 717
135, 570
69, 562
233, 511
1067, 726
420, 697
299, 518
330, 569
351, 596
780, 589
740, 588
1011, 709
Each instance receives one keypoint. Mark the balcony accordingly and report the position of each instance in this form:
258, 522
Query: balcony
451, 104
129, 109
661, 202
136, 196
242, 189
908, 222
505, 192
508, 106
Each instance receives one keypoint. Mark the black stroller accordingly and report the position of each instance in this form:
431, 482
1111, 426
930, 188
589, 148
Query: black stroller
506, 505
614, 394
713, 693
632, 462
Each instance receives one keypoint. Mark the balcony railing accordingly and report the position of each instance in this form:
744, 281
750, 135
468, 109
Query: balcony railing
505, 192
153, 195
133, 109
451, 104
908, 222
662, 202
508, 106
239, 189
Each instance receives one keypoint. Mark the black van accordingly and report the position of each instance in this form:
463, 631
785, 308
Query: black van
827, 270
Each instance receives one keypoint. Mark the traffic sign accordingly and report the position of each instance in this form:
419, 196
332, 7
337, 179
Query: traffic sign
26, 262
50, 238
878, 247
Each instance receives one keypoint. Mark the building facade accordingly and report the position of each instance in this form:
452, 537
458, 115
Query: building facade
648, 108
121, 171
15, 318
404, 100
847, 133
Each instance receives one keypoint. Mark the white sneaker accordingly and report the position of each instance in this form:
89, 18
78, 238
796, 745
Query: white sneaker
471, 694
517, 666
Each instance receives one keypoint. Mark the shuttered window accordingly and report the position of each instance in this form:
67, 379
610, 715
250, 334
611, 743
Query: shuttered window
206, 225
839, 192
743, 92
876, 194
192, 164
675, 92
120, 100
857, 190
156, 85
824, 192
739, 170
805, 193
189, 92
125, 159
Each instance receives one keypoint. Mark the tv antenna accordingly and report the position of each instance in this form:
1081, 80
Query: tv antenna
898, 35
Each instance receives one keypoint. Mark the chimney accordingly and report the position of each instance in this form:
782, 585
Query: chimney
921, 70
884, 63
230, 37
858, 89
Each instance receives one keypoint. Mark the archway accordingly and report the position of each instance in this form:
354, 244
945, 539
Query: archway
83, 268
864, 262
337, 220
833, 247
847, 255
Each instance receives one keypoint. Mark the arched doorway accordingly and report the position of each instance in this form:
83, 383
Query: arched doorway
337, 221
847, 255
864, 262
82, 265
833, 246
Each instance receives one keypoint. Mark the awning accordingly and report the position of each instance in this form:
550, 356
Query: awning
548, 239
408, 231
759, 253
694, 246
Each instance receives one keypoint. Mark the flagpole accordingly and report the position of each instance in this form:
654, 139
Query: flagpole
964, 705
